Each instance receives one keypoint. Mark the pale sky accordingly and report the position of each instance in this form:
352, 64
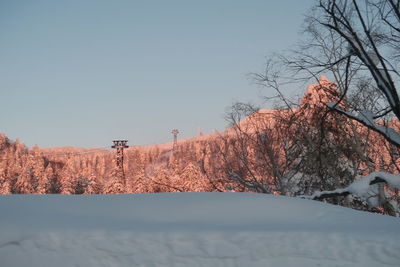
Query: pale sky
82, 73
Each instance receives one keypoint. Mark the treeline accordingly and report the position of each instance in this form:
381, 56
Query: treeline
147, 170
292, 151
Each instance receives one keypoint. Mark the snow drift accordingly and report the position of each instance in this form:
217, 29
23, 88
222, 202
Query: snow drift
191, 229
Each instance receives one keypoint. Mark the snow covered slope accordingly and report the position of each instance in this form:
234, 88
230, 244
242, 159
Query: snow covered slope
191, 229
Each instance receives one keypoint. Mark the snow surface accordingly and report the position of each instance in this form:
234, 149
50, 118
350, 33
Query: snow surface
191, 229
362, 186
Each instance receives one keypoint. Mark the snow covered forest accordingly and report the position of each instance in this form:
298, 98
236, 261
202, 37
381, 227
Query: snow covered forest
279, 151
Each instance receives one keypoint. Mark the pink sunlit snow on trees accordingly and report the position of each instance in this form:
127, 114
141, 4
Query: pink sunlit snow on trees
279, 151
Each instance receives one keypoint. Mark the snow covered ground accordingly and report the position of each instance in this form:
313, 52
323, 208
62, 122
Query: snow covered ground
191, 229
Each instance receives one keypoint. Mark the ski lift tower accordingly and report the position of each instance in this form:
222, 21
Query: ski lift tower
120, 145
175, 132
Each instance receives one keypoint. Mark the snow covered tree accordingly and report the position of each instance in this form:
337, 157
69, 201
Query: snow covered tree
115, 183
25, 183
355, 44
251, 152
5, 187
191, 179
68, 179
296, 150
45, 181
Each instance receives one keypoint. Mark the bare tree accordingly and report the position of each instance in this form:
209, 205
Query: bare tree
356, 44
296, 150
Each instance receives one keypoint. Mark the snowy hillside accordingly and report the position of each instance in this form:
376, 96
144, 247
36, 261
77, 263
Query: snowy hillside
191, 229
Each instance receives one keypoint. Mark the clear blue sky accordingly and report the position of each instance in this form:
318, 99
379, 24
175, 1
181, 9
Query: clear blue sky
81, 73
